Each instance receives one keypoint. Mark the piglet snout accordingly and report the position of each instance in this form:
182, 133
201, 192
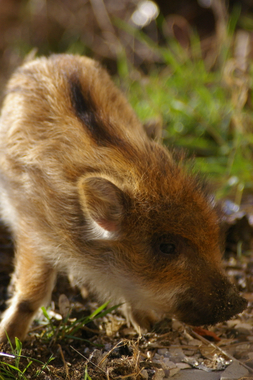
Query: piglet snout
207, 307
234, 304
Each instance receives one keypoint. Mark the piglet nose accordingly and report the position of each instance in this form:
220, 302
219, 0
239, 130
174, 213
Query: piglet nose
207, 308
235, 304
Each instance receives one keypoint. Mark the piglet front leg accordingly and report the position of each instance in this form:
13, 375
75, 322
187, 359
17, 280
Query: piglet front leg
33, 282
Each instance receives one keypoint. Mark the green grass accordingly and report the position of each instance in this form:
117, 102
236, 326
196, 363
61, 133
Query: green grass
68, 328
16, 366
202, 110
86, 375
199, 116
21, 363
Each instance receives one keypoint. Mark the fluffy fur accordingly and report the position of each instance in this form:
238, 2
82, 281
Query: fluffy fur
85, 192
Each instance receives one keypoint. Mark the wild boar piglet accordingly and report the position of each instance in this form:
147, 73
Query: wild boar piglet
85, 192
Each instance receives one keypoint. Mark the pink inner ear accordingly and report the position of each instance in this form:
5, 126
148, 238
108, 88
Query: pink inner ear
107, 225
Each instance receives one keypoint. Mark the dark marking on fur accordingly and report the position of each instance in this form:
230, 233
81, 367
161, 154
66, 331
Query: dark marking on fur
85, 110
101, 132
24, 307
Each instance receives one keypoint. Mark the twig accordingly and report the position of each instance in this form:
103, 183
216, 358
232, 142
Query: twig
119, 344
64, 362
88, 360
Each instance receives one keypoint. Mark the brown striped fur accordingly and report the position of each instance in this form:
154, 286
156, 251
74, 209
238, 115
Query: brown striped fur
85, 192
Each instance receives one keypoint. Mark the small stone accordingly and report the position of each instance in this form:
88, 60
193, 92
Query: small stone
196, 374
159, 374
183, 366
165, 362
163, 351
243, 348
176, 355
190, 352
173, 371
168, 364
243, 328
195, 342
157, 361
144, 374
234, 371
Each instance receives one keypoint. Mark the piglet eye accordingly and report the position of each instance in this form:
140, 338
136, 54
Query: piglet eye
167, 248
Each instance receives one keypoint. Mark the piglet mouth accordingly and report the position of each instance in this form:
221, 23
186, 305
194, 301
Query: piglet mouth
203, 311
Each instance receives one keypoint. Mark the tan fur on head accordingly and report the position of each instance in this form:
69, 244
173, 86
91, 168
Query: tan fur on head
86, 192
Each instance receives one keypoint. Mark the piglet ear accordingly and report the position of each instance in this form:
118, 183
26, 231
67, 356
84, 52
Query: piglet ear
102, 202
